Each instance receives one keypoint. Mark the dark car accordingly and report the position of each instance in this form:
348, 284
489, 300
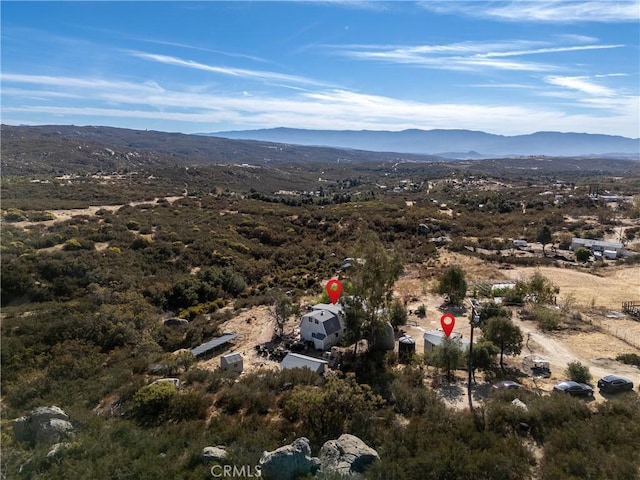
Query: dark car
573, 388
506, 385
614, 384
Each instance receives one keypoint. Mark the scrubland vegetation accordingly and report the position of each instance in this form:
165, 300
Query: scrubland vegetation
83, 300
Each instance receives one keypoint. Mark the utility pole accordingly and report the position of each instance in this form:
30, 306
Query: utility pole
473, 321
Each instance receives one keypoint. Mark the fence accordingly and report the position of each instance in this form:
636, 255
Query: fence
632, 308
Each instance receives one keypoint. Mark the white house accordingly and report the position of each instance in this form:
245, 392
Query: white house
323, 325
434, 338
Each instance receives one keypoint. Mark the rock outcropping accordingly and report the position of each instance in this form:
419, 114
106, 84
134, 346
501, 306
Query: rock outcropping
348, 455
214, 454
289, 462
46, 425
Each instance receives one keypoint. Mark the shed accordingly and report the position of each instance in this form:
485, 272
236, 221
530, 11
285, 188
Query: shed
434, 338
232, 362
213, 345
296, 360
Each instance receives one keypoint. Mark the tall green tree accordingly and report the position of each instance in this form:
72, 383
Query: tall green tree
371, 284
544, 237
483, 356
505, 335
281, 310
447, 357
453, 284
541, 289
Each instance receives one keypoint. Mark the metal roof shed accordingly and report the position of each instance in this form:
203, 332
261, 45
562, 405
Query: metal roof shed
212, 345
295, 360
232, 362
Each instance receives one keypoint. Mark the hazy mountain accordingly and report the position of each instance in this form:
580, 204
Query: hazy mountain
61, 148
449, 143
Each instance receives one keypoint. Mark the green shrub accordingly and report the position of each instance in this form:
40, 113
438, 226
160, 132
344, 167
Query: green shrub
547, 319
14, 215
152, 402
578, 372
72, 244
629, 358
582, 254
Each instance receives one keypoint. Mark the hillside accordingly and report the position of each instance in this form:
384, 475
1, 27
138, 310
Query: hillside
125, 251
61, 148
451, 143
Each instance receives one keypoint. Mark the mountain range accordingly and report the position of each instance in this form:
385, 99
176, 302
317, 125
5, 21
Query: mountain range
459, 144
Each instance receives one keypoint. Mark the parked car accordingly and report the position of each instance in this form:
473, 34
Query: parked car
573, 388
614, 384
506, 385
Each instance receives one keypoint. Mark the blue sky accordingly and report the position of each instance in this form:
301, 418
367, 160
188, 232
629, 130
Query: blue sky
508, 68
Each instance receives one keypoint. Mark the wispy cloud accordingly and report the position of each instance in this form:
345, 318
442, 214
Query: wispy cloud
467, 55
582, 85
201, 49
326, 108
230, 71
543, 11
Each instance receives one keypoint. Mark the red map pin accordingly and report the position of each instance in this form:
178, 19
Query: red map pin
447, 321
334, 289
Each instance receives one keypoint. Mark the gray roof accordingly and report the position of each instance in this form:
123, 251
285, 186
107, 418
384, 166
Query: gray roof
587, 242
295, 360
331, 325
327, 318
213, 344
335, 309
435, 338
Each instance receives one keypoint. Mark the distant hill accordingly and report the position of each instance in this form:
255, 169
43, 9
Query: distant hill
61, 148
461, 144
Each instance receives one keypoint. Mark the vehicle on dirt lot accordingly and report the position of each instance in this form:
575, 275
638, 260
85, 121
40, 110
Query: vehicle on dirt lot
614, 384
537, 367
506, 385
573, 388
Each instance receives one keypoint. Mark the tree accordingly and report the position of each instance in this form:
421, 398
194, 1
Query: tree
578, 372
541, 289
582, 254
453, 284
544, 237
397, 314
281, 310
483, 356
505, 335
372, 281
447, 356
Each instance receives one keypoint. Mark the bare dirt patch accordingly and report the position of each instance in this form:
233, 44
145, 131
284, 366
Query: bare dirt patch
605, 287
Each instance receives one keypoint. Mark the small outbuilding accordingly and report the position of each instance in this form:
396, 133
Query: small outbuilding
296, 360
434, 338
232, 362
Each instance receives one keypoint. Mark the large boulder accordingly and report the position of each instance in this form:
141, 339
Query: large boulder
48, 425
289, 462
348, 455
214, 454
